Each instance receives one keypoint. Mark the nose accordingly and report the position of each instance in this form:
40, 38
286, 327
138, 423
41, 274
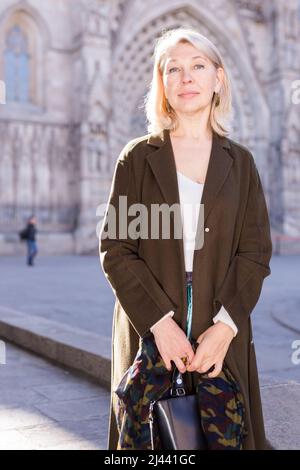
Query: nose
186, 77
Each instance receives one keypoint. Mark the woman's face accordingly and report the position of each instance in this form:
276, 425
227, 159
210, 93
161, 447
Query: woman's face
188, 70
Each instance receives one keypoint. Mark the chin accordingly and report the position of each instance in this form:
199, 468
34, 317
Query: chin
196, 107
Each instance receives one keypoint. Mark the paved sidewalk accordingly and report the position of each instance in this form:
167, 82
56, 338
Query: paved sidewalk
63, 308
43, 406
71, 295
68, 289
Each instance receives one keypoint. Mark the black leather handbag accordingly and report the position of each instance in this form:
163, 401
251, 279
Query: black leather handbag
175, 417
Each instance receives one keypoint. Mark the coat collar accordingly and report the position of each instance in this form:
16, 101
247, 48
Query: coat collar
163, 166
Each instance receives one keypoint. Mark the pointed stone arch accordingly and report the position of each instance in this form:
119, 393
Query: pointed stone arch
36, 33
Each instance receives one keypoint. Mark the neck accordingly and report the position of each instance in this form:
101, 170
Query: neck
195, 126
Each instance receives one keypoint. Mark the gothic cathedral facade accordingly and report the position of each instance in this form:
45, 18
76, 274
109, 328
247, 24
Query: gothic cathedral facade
76, 72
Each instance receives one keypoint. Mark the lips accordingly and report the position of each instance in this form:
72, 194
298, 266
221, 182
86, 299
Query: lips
187, 93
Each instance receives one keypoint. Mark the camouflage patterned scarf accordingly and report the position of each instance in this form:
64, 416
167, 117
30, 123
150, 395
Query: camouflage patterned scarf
221, 404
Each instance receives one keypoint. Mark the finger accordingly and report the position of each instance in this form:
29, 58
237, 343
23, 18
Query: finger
205, 366
217, 370
196, 363
193, 365
179, 364
199, 339
167, 363
190, 355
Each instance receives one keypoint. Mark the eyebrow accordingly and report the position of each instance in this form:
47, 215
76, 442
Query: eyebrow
195, 57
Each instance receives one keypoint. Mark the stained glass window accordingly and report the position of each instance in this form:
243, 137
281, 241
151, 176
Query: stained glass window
17, 66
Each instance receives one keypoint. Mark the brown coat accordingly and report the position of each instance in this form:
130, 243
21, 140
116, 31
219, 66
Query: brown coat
148, 276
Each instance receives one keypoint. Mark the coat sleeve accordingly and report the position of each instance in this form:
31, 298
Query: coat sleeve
133, 283
242, 285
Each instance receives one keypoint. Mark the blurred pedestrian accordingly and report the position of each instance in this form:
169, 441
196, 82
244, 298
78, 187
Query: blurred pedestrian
29, 234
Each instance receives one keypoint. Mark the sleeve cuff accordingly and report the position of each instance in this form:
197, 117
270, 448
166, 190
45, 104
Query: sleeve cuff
169, 314
224, 317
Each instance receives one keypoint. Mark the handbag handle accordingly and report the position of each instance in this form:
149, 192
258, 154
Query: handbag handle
178, 387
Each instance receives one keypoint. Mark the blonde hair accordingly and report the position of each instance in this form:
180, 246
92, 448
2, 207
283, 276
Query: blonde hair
159, 113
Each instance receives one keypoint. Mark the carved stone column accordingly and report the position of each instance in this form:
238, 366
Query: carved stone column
92, 104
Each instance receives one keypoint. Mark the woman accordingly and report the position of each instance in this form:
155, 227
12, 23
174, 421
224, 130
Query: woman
187, 157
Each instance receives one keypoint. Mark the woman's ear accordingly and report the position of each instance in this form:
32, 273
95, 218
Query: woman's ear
219, 79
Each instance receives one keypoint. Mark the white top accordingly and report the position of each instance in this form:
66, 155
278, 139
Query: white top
190, 195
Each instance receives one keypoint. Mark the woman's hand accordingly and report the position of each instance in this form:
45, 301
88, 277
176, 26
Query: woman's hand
212, 349
172, 344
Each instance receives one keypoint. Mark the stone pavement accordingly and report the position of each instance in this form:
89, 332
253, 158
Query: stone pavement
63, 307
43, 406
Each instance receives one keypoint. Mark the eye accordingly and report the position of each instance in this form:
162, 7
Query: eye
200, 65
172, 68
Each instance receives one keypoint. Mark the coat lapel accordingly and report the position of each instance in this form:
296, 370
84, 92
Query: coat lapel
163, 165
